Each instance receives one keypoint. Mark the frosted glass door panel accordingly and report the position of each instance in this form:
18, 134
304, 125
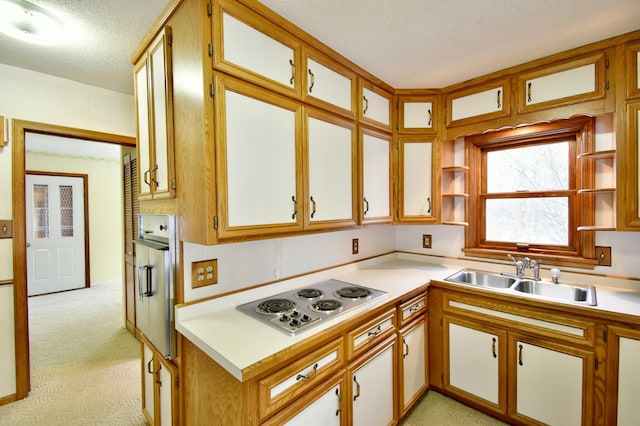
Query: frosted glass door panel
418, 115
628, 381
143, 129
417, 183
472, 366
375, 106
562, 84
479, 103
549, 385
250, 49
328, 85
261, 162
376, 176
330, 177
159, 90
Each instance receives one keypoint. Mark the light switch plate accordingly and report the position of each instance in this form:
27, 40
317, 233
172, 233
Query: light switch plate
603, 255
355, 246
6, 229
426, 241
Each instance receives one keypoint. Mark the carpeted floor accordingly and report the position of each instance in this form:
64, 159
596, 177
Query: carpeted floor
435, 409
85, 366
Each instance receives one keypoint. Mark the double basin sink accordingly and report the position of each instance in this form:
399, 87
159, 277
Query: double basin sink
582, 295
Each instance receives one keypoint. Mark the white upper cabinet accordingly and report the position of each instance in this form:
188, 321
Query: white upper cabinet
375, 107
417, 114
376, 182
628, 381
255, 49
416, 197
578, 80
331, 146
478, 103
328, 84
257, 160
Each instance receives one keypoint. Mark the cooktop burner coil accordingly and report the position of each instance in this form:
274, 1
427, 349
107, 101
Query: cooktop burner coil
353, 292
327, 305
276, 306
309, 293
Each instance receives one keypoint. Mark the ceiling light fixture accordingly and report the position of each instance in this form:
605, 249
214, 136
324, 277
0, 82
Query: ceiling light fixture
29, 22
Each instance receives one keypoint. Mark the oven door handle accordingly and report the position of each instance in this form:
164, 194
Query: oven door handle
149, 289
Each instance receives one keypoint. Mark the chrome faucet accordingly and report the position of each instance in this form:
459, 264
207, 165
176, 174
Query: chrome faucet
524, 264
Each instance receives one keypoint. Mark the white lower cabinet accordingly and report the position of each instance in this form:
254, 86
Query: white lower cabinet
474, 362
413, 364
628, 381
159, 387
549, 385
372, 387
324, 411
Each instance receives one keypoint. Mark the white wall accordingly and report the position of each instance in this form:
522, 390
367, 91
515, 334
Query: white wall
32, 96
105, 207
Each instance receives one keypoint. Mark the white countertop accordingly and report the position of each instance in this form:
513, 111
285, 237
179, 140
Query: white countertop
236, 341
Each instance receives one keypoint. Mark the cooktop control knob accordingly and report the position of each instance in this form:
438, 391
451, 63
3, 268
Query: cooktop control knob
305, 318
294, 323
295, 314
284, 318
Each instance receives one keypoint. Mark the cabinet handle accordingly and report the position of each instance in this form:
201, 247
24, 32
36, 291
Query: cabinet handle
499, 99
153, 176
406, 354
295, 207
429, 205
149, 370
429, 115
374, 332
366, 105
313, 80
293, 71
415, 308
493, 348
306, 376
520, 355
145, 177
366, 208
339, 410
529, 99
357, 388
313, 207
158, 381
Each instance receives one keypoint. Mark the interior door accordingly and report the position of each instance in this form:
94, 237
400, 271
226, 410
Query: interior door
55, 216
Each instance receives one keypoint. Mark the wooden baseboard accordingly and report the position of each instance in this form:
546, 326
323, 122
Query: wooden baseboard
8, 399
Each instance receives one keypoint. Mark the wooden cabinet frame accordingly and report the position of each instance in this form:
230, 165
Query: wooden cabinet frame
633, 69
629, 171
435, 114
504, 99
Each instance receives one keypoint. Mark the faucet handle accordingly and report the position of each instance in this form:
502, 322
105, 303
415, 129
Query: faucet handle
555, 272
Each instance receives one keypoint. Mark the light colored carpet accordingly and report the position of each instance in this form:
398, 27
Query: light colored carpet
436, 409
85, 366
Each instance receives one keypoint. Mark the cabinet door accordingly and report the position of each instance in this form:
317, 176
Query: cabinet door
327, 410
143, 141
474, 355
331, 146
373, 388
166, 382
414, 364
478, 104
629, 184
162, 113
628, 381
148, 383
416, 181
258, 150
329, 83
375, 107
549, 385
633, 70
417, 114
376, 177
253, 48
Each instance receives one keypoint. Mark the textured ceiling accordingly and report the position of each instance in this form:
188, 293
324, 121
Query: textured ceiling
406, 43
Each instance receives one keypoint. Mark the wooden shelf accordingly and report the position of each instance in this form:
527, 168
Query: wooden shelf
599, 154
454, 169
595, 190
446, 222
456, 195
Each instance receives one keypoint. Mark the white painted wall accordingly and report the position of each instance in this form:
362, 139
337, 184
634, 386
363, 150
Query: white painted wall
105, 206
33, 96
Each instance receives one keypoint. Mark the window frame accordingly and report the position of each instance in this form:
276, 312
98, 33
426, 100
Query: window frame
581, 244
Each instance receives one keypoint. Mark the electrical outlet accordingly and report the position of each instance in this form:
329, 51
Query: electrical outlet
603, 256
355, 247
426, 241
204, 273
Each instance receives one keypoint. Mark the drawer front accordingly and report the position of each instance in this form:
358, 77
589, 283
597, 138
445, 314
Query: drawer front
412, 308
297, 379
370, 333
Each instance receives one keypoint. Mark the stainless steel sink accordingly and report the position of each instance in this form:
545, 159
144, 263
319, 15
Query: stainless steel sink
482, 279
568, 293
581, 295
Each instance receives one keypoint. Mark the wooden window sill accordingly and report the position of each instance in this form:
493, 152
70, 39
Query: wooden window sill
545, 259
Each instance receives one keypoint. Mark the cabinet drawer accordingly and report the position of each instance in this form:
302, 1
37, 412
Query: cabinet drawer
370, 333
412, 309
294, 381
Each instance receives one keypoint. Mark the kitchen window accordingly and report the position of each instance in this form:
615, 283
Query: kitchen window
524, 193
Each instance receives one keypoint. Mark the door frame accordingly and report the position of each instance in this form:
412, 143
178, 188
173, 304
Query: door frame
85, 186
19, 128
